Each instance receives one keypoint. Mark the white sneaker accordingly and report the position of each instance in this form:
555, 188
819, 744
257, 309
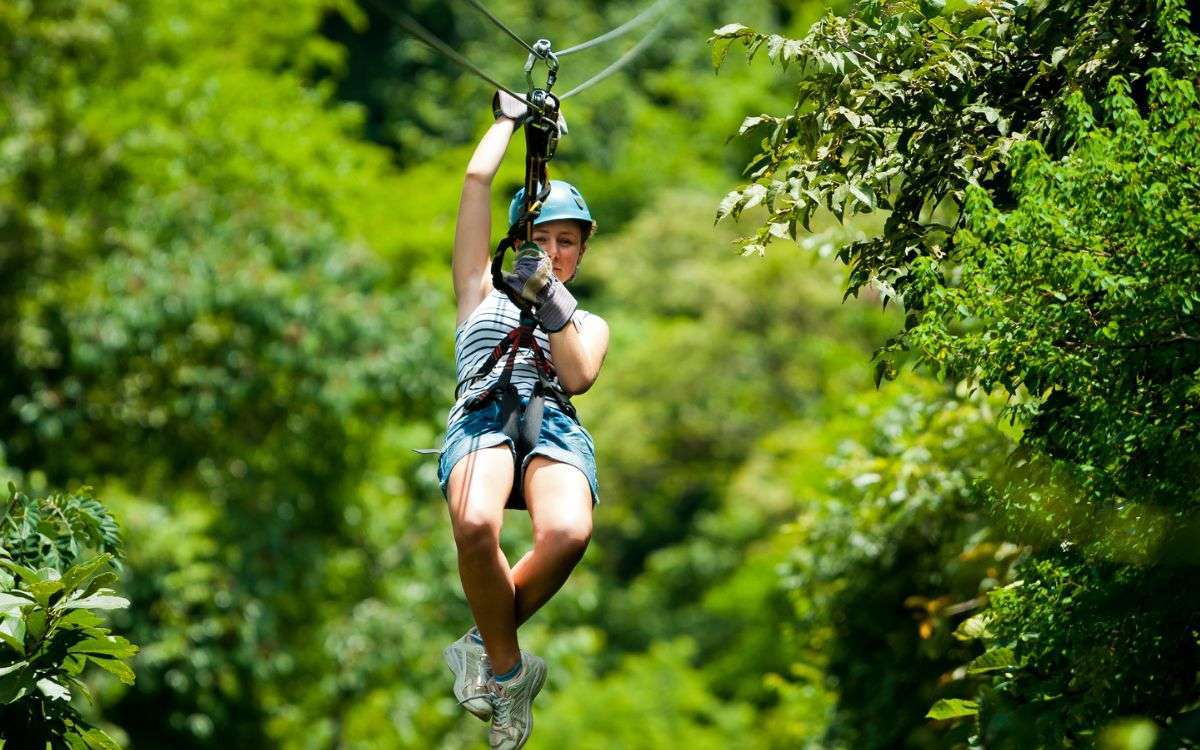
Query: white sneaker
512, 704
468, 662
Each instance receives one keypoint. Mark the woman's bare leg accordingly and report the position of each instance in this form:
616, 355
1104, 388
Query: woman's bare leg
478, 490
560, 504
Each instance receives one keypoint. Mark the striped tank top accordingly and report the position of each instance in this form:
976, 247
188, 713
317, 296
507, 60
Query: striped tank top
479, 334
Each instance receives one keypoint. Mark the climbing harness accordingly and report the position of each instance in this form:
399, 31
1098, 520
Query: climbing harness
522, 424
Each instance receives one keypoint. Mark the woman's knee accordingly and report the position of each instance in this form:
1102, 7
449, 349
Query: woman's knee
560, 502
566, 537
476, 531
479, 487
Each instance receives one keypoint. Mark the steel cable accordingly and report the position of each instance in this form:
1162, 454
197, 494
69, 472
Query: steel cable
621, 30
420, 32
621, 61
503, 26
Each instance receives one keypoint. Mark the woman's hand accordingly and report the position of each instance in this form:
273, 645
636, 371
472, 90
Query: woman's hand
532, 279
507, 105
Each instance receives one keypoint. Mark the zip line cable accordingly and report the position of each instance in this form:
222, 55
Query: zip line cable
410, 24
503, 27
621, 61
422, 34
621, 30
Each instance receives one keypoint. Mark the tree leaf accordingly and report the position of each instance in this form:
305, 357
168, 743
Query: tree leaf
77, 574
752, 122
974, 628
754, 195
53, 690
12, 632
727, 204
82, 618
98, 740
120, 669
43, 590
732, 31
35, 623
113, 646
723, 37
864, 194
27, 575
104, 600
11, 602
15, 685
992, 661
952, 708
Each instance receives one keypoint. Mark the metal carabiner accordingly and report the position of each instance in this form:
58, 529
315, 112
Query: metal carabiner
542, 50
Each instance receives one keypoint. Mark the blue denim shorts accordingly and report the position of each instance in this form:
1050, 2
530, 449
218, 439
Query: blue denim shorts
561, 439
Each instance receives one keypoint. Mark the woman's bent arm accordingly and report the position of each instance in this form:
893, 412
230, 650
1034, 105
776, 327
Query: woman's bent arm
578, 353
472, 235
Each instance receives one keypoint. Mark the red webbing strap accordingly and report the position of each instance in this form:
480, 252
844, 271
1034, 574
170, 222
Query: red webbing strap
510, 344
520, 337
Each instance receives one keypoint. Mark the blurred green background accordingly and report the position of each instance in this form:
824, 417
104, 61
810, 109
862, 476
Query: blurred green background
225, 304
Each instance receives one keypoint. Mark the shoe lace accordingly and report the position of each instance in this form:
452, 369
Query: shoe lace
501, 705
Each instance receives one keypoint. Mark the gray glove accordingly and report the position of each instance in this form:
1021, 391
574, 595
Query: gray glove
533, 280
507, 105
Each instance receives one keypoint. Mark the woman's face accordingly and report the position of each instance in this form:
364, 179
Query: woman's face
561, 241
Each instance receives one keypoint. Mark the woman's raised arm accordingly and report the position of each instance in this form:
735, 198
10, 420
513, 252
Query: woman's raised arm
473, 232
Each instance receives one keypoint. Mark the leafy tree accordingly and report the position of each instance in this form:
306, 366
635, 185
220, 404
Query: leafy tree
889, 545
644, 711
1082, 294
901, 105
49, 631
192, 315
1046, 252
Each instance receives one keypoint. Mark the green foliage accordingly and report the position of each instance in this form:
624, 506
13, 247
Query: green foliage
642, 711
55, 530
48, 629
901, 106
886, 556
1082, 296
192, 313
681, 309
194, 317
1086, 644
952, 708
1064, 134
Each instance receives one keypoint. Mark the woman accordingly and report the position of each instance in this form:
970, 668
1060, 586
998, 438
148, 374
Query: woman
494, 678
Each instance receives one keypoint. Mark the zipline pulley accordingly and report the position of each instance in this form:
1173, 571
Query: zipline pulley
542, 50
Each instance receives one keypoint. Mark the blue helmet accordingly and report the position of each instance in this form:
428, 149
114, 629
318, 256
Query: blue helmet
565, 202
